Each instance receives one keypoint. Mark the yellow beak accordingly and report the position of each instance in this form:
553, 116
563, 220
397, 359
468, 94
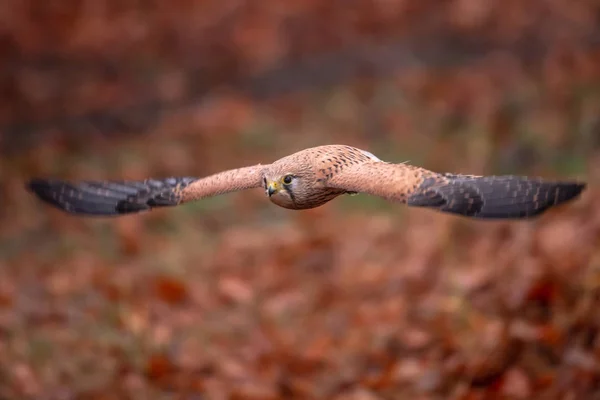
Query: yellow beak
272, 188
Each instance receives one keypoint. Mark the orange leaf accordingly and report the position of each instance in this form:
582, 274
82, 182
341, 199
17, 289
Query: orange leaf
550, 334
159, 366
5, 300
170, 290
543, 290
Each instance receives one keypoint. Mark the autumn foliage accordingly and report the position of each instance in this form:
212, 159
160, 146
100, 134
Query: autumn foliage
234, 298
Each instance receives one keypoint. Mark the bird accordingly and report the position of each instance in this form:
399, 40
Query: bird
314, 176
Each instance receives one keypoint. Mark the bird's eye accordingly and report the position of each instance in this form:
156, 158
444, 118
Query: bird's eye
287, 179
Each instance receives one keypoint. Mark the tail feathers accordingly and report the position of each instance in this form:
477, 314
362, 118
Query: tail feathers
494, 196
109, 197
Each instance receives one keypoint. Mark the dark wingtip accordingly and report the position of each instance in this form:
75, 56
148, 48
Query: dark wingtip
69, 198
579, 187
105, 198
571, 190
496, 197
42, 188
35, 184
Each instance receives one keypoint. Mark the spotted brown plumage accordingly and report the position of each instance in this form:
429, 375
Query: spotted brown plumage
313, 177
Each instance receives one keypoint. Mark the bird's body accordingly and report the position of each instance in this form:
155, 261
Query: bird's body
315, 176
310, 187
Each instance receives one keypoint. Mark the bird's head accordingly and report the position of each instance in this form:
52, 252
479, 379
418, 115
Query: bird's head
292, 183
297, 190
285, 189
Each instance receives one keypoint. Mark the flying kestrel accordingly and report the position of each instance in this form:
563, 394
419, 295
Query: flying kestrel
312, 177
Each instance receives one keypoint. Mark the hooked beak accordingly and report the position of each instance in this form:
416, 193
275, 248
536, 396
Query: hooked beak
271, 188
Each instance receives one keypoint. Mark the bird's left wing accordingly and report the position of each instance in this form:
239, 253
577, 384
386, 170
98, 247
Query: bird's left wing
124, 197
468, 195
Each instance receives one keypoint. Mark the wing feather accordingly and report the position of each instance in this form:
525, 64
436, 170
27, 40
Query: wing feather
489, 197
105, 198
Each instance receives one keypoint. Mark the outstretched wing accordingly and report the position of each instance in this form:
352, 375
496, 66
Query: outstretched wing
125, 197
472, 196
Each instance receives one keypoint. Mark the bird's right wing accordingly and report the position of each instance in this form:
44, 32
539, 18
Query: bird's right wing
468, 195
124, 197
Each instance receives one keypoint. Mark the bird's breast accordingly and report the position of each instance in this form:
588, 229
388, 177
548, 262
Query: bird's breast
305, 200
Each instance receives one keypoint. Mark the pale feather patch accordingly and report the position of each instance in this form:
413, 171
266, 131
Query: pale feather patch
370, 155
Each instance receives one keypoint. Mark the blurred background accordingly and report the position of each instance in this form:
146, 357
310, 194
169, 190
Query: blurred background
234, 298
